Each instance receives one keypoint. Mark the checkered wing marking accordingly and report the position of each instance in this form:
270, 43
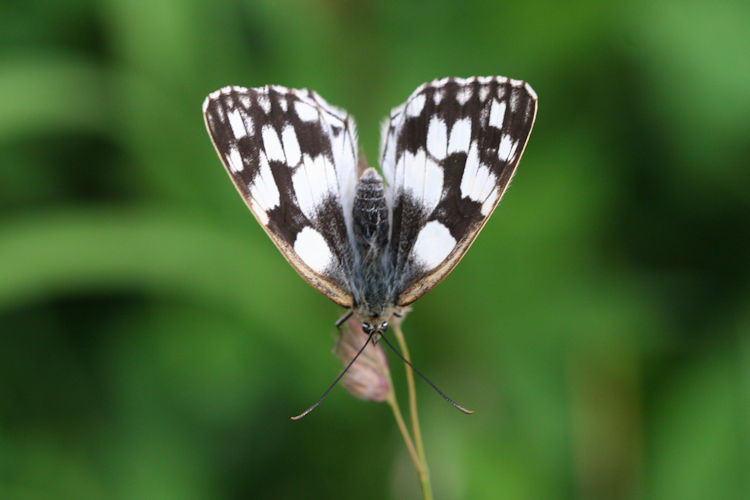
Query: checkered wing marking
292, 157
448, 155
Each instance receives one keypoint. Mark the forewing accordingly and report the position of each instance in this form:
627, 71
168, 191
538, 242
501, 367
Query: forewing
448, 155
292, 157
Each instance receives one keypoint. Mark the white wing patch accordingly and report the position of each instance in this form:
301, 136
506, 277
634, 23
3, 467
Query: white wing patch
314, 182
478, 181
507, 148
305, 112
263, 189
272, 145
265, 103
497, 113
463, 95
422, 178
415, 106
470, 171
313, 249
234, 159
460, 136
237, 124
433, 185
291, 146
437, 140
413, 169
433, 245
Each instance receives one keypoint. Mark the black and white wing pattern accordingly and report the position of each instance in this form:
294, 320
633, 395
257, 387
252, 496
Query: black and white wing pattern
448, 154
293, 158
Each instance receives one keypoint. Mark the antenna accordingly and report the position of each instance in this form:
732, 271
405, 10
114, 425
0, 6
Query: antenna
456, 405
306, 412
356, 356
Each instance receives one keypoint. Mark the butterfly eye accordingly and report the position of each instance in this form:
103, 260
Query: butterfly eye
383, 326
367, 328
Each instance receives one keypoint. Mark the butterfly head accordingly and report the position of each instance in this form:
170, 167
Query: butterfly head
374, 326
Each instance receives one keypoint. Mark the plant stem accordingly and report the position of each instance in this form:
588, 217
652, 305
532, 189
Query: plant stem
422, 469
393, 403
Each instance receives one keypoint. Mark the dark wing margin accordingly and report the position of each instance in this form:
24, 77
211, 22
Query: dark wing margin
292, 158
448, 155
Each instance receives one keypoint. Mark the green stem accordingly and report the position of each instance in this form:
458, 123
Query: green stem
393, 403
422, 469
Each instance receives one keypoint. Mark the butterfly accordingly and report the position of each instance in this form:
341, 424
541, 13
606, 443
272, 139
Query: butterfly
372, 246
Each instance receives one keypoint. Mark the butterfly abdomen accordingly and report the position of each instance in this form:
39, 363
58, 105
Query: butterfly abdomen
370, 225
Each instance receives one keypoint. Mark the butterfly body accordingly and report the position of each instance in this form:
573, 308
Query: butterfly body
373, 246
373, 276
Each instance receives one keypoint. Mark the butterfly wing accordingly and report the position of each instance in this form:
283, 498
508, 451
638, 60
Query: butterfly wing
448, 155
293, 159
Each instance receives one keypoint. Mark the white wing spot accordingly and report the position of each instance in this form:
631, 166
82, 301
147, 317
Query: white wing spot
313, 249
484, 182
463, 95
433, 245
330, 173
470, 171
344, 165
460, 136
437, 138
483, 93
414, 172
415, 106
422, 178
249, 125
272, 145
314, 181
291, 146
507, 148
282, 103
263, 188
437, 96
237, 124
303, 188
497, 114
474, 193
235, 160
264, 102
433, 185
306, 112
222, 114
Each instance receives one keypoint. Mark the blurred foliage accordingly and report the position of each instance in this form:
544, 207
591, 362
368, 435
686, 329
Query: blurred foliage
153, 343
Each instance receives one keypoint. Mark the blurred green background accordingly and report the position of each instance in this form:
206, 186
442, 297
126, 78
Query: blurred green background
154, 343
